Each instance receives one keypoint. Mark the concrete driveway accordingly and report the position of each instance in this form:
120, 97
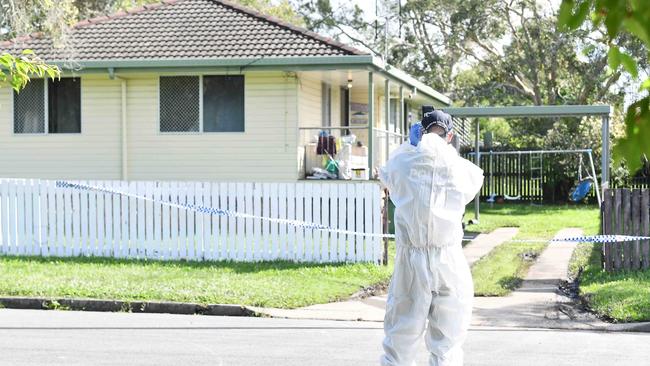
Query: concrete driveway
36, 337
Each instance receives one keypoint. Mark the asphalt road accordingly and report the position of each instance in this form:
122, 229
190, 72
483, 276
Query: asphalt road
33, 337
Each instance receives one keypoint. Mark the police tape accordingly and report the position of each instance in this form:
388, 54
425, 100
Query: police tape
321, 227
586, 239
221, 212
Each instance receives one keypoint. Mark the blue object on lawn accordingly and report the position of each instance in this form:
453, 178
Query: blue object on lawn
581, 190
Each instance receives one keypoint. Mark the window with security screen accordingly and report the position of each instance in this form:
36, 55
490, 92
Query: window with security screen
210, 103
48, 106
179, 104
29, 108
223, 103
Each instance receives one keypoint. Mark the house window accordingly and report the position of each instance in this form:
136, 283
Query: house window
326, 105
64, 105
202, 103
223, 103
60, 98
179, 104
29, 108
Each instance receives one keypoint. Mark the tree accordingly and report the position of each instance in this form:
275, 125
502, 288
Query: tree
17, 71
486, 52
23, 17
629, 19
278, 8
345, 22
15, 17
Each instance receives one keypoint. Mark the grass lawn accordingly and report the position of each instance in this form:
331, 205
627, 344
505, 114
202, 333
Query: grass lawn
621, 297
269, 284
503, 269
278, 284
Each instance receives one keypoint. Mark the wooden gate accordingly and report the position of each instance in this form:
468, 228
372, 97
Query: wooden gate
627, 212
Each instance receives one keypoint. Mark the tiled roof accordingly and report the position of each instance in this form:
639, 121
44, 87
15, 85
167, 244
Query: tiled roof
186, 29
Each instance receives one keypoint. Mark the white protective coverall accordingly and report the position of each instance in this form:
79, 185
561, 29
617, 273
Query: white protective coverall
430, 185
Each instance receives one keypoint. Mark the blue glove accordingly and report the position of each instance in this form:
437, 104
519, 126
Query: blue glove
415, 134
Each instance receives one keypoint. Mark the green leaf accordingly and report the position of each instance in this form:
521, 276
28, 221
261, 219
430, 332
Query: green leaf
579, 17
565, 14
589, 49
629, 64
637, 134
567, 19
614, 20
645, 85
638, 28
614, 57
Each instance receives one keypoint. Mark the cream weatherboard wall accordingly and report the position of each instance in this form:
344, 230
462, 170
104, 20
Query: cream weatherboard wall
92, 154
266, 151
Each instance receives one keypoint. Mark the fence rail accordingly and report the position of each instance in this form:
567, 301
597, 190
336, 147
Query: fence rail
626, 211
39, 218
527, 175
511, 175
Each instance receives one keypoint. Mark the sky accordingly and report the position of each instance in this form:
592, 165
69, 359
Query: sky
366, 5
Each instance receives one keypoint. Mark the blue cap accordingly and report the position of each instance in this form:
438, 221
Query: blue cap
431, 117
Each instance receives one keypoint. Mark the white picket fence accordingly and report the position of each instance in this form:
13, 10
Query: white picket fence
38, 218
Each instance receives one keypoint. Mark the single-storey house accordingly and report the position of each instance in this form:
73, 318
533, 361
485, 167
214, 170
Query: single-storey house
200, 90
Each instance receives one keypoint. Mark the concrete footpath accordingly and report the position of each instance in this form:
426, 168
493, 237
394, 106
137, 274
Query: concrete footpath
538, 303
484, 243
373, 308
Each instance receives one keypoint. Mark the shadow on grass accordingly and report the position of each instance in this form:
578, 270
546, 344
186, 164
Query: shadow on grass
469, 236
510, 283
522, 209
237, 267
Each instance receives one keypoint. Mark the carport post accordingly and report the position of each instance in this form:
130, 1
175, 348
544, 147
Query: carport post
477, 157
604, 175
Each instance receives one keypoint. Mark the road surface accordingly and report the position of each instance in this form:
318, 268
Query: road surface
34, 337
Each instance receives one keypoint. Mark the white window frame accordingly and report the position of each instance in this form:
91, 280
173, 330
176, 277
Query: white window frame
200, 131
46, 112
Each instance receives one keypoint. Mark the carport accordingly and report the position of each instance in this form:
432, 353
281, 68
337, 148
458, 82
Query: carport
603, 111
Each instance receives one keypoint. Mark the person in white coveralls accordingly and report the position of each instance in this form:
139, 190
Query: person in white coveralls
429, 184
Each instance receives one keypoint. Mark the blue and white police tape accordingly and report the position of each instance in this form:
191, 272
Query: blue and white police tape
221, 212
603, 238
315, 226
585, 239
